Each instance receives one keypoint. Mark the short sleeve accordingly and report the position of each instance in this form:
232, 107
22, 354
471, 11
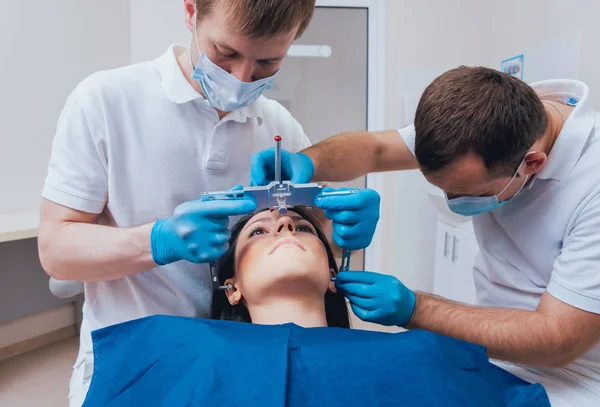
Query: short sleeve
408, 135
576, 275
77, 173
301, 140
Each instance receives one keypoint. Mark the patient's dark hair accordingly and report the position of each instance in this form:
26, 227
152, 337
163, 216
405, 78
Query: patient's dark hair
335, 303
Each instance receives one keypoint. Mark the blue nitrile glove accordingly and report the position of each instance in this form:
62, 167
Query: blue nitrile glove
378, 298
354, 216
197, 232
295, 167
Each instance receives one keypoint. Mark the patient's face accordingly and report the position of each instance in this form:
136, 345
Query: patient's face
280, 255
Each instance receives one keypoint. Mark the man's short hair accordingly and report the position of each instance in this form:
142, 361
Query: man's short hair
262, 18
477, 110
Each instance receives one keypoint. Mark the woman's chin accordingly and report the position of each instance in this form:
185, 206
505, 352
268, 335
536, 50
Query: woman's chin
293, 277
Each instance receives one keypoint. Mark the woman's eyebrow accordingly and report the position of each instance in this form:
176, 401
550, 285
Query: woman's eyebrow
266, 219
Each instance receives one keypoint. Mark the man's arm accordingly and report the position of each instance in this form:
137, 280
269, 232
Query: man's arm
72, 247
350, 155
553, 335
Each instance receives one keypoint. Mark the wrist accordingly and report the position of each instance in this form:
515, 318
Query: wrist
309, 160
410, 306
161, 242
420, 302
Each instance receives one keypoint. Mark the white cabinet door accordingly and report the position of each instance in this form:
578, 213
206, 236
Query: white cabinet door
454, 258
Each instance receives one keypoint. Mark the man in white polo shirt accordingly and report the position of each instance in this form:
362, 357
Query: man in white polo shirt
525, 163
133, 144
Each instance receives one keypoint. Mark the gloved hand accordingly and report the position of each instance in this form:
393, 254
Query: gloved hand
197, 232
354, 216
377, 298
295, 167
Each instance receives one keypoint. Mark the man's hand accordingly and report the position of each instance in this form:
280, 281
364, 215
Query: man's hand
377, 298
197, 232
295, 167
354, 216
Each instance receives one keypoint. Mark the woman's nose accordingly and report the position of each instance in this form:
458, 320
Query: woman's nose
285, 224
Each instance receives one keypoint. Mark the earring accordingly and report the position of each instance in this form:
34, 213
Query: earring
332, 287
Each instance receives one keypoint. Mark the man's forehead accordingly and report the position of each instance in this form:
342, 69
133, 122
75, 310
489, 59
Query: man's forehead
466, 176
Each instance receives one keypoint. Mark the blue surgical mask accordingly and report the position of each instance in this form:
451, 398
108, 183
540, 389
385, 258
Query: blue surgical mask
224, 91
475, 205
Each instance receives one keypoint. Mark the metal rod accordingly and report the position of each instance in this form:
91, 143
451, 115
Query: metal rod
278, 159
336, 193
346, 260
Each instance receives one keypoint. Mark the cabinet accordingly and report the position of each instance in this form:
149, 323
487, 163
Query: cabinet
455, 254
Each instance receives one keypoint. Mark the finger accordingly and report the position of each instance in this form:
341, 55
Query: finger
357, 243
361, 199
229, 208
257, 166
219, 239
298, 177
198, 223
362, 314
189, 228
364, 303
363, 277
212, 254
359, 230
238, 187
216, 208
356, 290
344, 217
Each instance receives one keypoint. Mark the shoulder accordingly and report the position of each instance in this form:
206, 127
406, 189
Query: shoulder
112, 84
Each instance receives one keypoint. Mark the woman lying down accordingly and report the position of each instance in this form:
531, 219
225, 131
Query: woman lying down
280, 337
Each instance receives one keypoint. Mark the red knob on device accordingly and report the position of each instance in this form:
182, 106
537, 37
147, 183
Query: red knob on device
277, 138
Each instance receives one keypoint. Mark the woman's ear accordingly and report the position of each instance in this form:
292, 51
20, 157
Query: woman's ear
234, 295
331, 283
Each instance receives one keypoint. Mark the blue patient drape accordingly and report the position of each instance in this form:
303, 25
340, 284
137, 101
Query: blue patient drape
174, 361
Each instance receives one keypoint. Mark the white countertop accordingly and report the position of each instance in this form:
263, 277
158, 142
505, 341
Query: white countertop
18, 225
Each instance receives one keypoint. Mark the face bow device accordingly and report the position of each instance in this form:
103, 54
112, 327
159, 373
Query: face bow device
278, 195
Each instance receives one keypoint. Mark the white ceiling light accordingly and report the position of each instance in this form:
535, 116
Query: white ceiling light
310, 51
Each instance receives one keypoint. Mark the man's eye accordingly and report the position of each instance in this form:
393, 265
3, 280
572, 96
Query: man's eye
227, 54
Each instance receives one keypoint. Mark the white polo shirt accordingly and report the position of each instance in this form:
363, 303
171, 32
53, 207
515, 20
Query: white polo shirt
548, 239
132, 144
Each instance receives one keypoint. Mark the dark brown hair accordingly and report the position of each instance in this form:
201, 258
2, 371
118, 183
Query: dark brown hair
336, 309
262, 18
477, 110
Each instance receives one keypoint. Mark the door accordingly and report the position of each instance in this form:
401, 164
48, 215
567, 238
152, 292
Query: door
454, 258
324, 83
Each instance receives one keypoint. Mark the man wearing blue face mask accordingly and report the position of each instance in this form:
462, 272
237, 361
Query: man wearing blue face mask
134, 149
523, 161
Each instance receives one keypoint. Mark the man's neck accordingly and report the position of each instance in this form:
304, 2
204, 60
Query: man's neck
307, 312
183, 60
555, 123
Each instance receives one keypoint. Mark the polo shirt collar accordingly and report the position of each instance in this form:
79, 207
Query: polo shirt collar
575, 132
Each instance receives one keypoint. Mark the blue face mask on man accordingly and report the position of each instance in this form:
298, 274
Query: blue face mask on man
224, 91
475, 205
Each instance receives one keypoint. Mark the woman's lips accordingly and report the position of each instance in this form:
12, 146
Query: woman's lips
286, 241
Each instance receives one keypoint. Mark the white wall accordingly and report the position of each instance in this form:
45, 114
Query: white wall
424, 39
559, 39
47, 48
156, 24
